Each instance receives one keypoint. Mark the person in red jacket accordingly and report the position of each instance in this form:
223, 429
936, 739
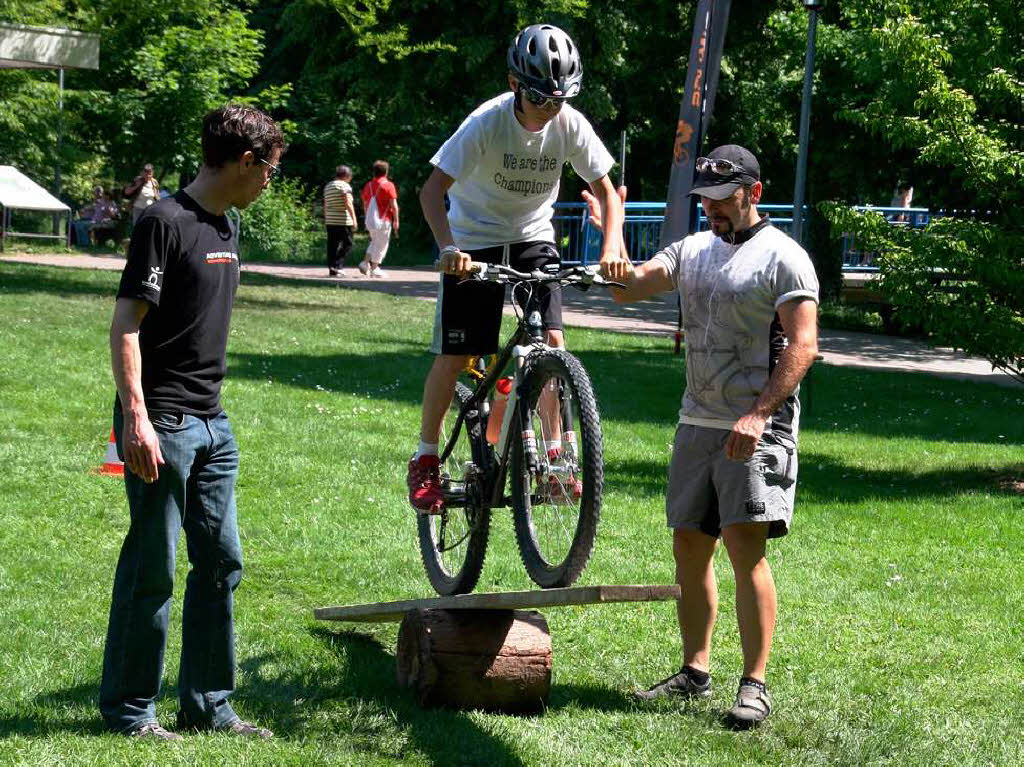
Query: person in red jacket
380, 203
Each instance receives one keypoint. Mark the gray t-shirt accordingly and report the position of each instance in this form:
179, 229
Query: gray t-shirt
729, 296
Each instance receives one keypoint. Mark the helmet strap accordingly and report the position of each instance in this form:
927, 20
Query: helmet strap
519, 98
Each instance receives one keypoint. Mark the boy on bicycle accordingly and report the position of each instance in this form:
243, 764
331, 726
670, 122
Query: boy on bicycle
501, 172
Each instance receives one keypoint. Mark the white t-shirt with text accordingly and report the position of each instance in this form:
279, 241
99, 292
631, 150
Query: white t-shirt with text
506, 177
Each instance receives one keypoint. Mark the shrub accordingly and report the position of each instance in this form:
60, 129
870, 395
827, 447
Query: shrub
280, 225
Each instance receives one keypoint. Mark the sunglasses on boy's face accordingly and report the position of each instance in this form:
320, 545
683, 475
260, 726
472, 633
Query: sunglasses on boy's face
538, 99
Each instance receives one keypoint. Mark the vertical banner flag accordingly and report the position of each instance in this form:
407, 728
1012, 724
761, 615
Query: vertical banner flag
694, 115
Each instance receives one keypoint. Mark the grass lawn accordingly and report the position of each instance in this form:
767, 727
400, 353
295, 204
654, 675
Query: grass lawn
900, 632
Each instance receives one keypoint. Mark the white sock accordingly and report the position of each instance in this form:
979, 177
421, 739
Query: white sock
425, 448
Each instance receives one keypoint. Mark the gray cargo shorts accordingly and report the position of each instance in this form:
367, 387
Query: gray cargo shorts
707, 491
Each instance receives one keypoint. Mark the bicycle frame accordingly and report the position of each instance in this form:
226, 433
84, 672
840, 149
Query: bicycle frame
528, 338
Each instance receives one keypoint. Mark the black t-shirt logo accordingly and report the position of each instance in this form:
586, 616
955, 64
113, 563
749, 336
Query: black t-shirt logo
153, 281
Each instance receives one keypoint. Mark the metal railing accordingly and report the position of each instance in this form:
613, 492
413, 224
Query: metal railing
857, 259
580, 242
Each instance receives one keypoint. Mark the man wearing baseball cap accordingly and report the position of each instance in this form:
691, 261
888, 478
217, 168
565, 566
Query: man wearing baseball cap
749, 297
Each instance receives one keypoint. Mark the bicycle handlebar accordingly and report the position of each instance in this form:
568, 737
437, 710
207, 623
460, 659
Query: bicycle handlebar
583, 276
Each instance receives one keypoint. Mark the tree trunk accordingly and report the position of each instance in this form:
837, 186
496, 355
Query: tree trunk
495, 660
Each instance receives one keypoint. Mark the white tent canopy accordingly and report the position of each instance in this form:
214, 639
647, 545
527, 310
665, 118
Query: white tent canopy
19, 192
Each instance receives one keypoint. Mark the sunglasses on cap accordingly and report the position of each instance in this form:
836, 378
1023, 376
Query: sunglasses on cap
719, 167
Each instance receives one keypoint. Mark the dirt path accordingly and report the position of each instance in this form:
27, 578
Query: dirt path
595, 309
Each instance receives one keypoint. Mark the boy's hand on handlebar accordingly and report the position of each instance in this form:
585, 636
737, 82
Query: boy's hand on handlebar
455, 262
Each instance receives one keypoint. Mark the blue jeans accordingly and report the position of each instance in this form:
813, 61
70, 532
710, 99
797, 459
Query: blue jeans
195, 490
82, 227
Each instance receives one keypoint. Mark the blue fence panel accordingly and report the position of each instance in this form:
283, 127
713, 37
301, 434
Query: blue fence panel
856, 259
580, 243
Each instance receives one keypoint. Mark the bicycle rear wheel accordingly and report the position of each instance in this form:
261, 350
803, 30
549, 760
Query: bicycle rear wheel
454, 542
557, 501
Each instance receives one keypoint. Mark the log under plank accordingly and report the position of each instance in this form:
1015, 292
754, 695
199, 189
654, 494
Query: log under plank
493, 660
511, 600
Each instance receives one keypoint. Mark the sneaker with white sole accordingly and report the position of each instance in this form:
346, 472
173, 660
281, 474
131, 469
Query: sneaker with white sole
378, 272
364, 267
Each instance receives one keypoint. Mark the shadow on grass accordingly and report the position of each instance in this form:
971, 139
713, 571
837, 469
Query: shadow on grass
70, 711
591, 698
645, 387
392, 286
635, 477
822, 478
21, 279
445, 737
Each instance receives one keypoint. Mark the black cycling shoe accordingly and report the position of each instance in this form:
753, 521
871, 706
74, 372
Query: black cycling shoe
753, 705
681, 685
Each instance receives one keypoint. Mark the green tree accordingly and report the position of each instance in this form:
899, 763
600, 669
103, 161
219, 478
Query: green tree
945, 82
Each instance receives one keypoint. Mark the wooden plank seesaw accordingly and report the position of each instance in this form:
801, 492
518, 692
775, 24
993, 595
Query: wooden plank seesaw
483, 651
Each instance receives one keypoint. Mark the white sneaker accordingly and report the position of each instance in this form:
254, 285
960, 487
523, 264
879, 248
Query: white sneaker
364, 267
378, 272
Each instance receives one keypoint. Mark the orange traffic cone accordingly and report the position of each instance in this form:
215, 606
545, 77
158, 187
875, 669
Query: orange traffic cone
112, 465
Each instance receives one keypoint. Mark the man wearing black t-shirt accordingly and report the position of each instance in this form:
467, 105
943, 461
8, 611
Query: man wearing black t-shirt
168, 343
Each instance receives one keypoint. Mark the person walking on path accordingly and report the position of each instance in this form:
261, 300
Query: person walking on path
749, 298
168, 342
340, 219
380, 206
501, 171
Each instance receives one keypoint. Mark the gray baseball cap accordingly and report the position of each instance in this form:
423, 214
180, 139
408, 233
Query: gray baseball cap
724, 170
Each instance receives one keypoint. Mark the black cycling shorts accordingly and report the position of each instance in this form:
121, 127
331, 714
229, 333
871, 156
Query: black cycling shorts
468, 315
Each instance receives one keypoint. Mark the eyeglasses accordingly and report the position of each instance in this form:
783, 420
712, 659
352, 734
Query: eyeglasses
274, 169
719, 167
539, 99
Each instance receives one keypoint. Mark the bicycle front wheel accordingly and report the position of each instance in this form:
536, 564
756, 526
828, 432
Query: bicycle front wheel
557, 469
454, 542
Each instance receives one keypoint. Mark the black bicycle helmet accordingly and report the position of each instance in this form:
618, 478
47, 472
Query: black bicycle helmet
544, 58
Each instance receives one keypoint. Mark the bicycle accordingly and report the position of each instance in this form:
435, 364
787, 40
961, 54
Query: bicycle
556, 481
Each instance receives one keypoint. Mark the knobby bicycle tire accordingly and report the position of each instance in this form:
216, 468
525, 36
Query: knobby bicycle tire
542, 504
453, 543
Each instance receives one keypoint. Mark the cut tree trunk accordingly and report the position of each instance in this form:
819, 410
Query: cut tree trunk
495, 660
